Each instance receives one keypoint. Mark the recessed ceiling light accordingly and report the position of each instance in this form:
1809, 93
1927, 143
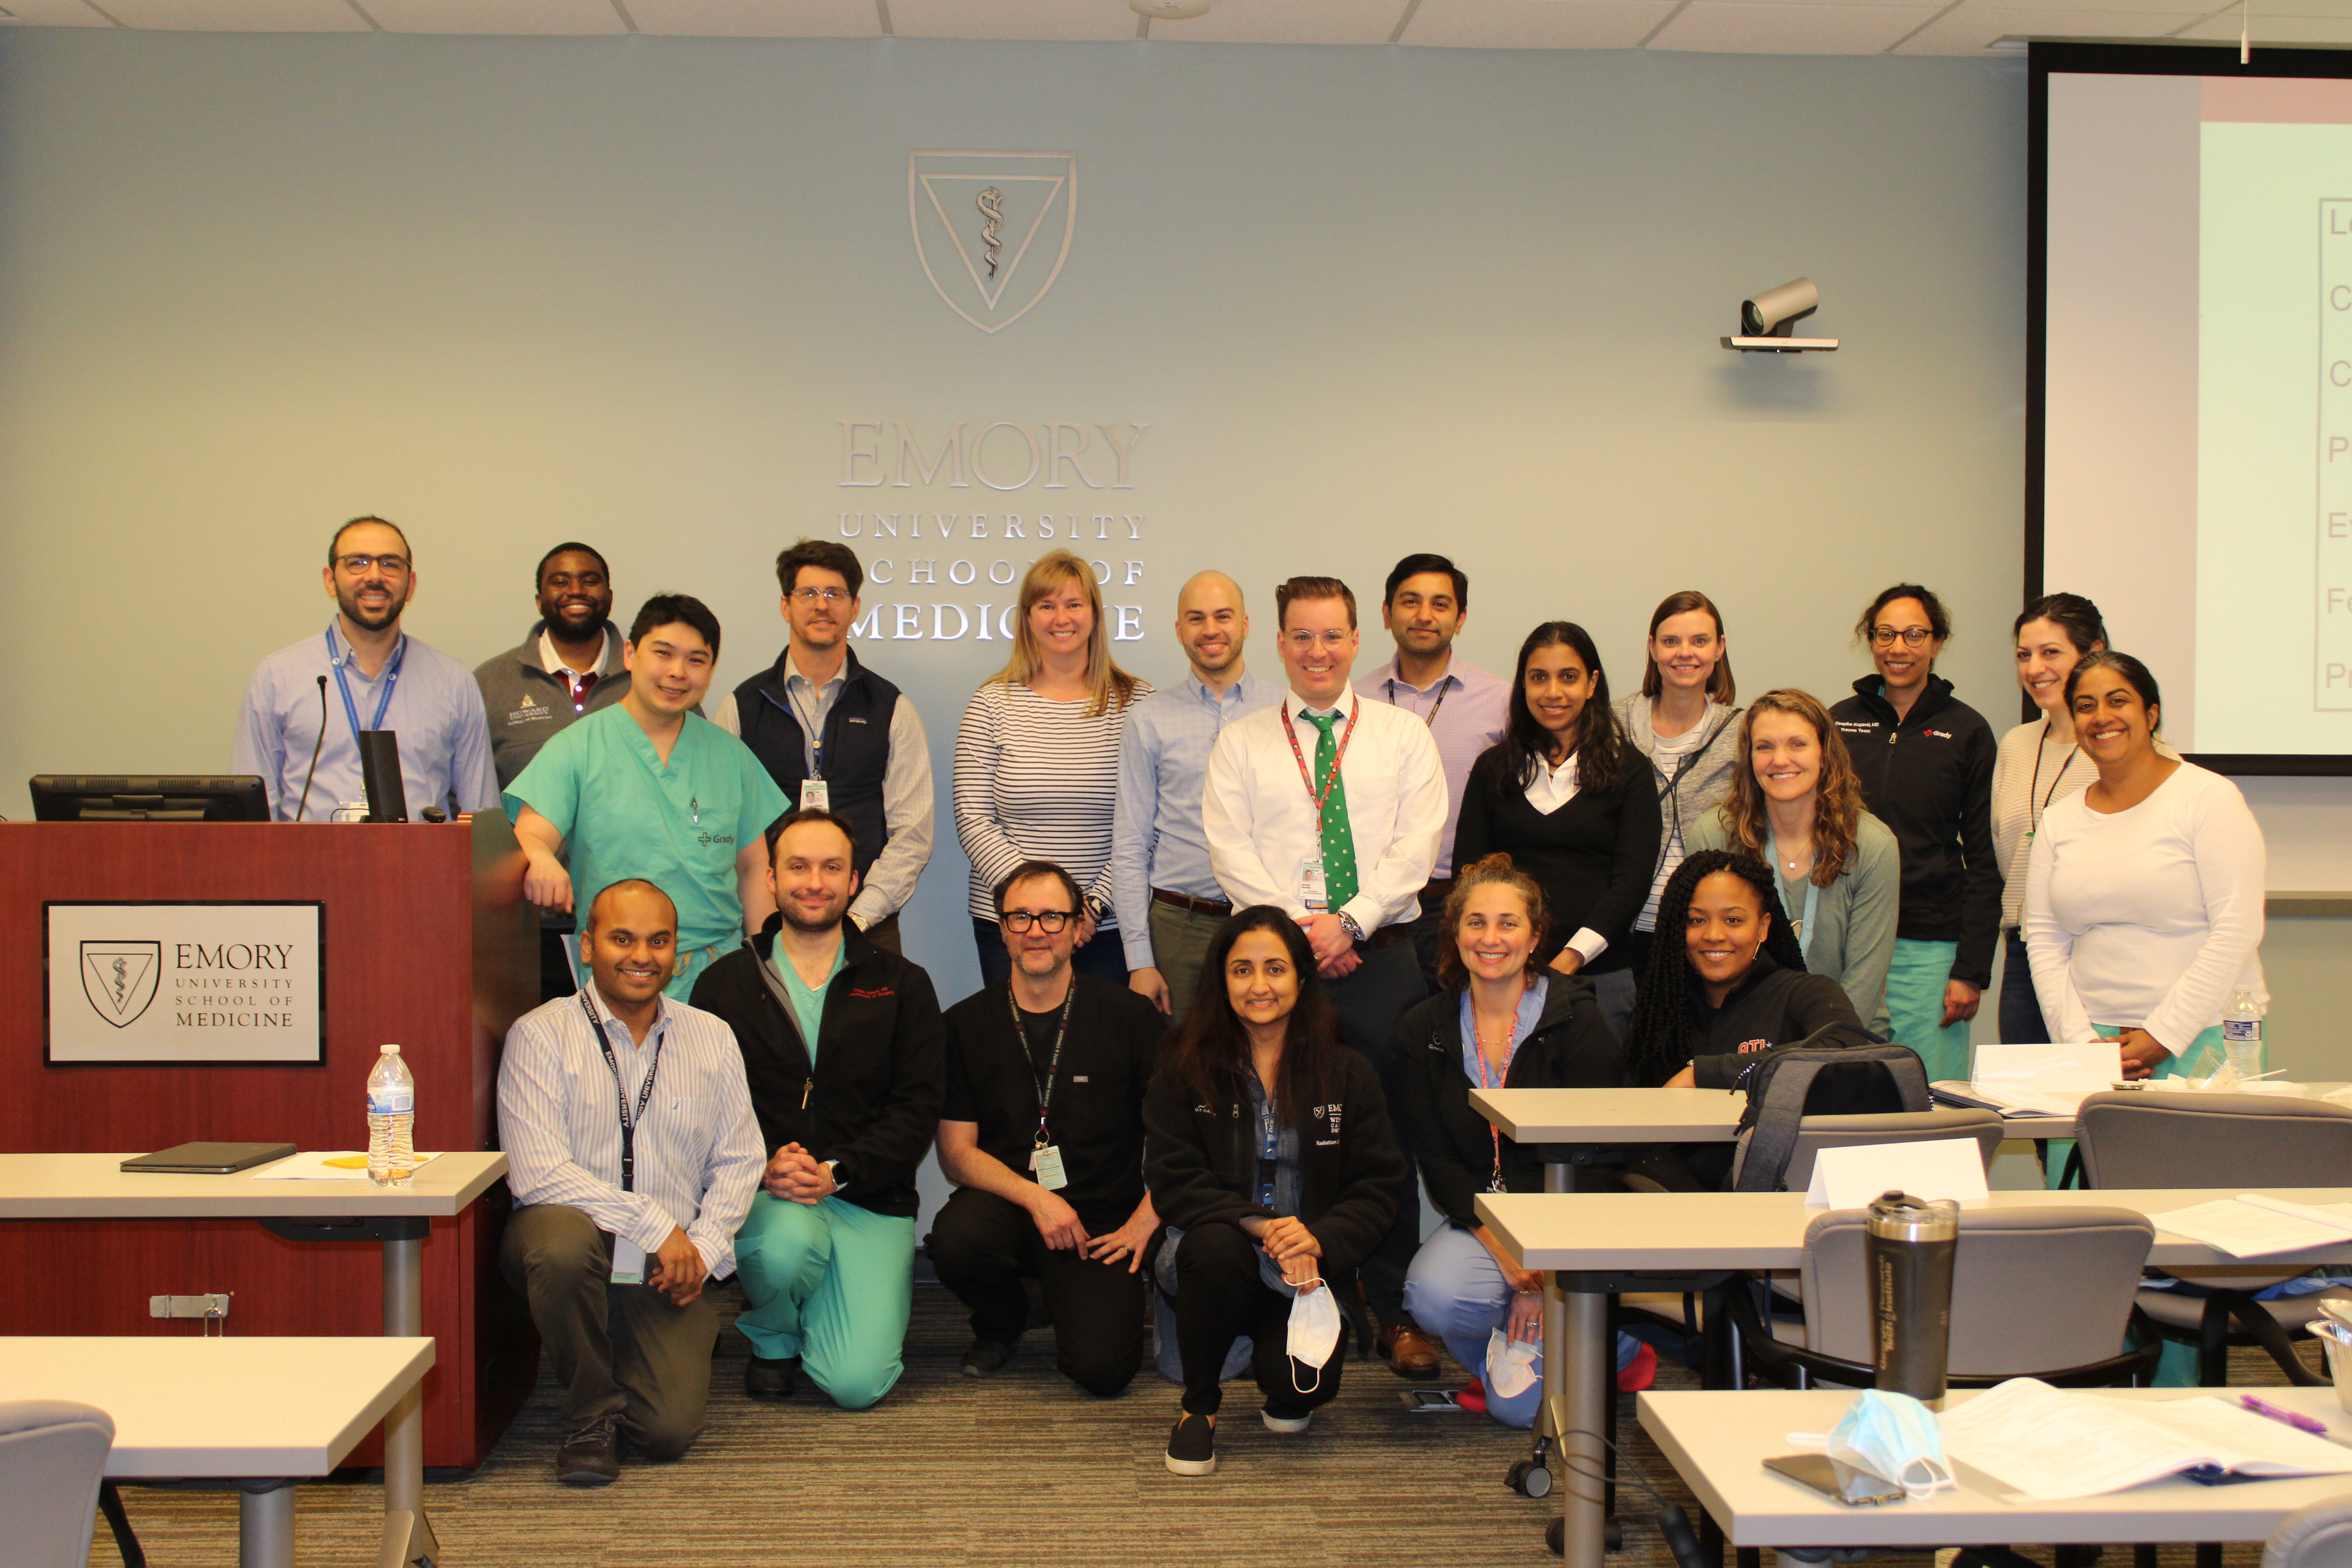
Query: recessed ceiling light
1169, 10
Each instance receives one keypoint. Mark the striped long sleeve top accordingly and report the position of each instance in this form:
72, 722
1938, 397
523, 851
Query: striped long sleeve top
1037, 780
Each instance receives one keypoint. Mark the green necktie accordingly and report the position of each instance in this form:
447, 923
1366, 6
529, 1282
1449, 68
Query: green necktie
1338, 841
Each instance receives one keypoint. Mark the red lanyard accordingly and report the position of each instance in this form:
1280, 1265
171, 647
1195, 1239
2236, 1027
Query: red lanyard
1338, 756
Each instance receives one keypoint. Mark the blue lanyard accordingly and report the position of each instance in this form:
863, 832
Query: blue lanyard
390, 680
1812, 900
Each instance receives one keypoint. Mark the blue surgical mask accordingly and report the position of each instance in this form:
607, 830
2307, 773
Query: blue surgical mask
1896, 1438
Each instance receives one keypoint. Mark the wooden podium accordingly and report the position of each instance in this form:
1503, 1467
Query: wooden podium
428, 943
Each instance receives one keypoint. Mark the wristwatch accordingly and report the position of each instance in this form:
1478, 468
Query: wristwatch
1347, 923
1098, 909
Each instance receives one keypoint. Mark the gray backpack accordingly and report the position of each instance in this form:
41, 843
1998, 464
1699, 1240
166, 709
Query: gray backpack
1820, 1080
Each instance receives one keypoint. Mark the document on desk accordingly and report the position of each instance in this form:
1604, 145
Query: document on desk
2035, 1080
2254, 1225
325, 1165
2051, 1444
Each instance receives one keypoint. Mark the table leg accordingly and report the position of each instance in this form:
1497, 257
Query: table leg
1588, 1380
403, 1424
265, 1524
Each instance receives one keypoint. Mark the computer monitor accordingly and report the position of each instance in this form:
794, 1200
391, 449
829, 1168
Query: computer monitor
106, 797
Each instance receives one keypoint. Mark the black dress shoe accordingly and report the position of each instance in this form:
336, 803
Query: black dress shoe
986, 1358
592, 1456
771, 1377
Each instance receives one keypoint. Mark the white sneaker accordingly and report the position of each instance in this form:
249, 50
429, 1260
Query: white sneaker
1289, 1425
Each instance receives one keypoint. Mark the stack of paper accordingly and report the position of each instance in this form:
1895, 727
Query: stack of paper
325, 1165
2035, 1080
2051, 1444
2252, 1225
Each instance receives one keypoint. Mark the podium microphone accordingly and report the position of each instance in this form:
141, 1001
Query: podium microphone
322, 740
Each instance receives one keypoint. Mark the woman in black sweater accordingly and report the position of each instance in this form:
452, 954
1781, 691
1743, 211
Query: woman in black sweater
1502, 1022
1268, 1150
1574, 806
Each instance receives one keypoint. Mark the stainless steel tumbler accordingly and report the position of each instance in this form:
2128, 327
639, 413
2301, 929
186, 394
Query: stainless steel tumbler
1910, 1245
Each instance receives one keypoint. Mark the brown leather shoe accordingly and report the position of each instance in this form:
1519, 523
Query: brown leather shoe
1408, 1350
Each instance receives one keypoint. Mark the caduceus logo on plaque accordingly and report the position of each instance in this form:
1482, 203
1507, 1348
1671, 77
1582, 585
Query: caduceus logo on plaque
119, 978
992, 229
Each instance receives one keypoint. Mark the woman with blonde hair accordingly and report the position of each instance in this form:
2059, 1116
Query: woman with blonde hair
1036, 760
1796, 804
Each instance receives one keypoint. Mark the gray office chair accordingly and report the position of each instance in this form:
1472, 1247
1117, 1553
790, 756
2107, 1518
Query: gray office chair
2317, 1535
52, 1462
2134, 1139
2043, 1293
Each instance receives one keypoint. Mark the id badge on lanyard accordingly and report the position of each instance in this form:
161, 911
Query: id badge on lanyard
816, 795
1314, 890
1044, 1155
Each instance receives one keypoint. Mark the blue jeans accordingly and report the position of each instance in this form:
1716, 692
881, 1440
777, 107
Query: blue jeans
1454, 1291
2020, 1005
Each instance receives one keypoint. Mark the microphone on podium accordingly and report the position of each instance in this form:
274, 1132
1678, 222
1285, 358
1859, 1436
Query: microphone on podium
305, 802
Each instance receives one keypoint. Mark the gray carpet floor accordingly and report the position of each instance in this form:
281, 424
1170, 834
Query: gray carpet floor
1023, 1469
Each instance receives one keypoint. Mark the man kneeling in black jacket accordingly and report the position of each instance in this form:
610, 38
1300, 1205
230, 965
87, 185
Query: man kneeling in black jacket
845, 1051
1043, 1134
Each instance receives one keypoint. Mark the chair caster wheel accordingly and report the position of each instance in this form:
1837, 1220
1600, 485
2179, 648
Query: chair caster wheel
1529, 1479
1613, 1535
1556, 1538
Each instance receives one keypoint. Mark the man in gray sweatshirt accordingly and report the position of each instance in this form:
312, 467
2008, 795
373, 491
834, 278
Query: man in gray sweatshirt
567, 667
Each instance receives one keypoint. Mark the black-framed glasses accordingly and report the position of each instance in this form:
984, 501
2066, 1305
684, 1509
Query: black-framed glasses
393, 565
1051, 921
821, 595
1913, 637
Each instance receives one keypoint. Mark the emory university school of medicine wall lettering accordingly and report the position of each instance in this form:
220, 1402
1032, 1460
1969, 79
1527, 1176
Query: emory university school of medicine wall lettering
185, 982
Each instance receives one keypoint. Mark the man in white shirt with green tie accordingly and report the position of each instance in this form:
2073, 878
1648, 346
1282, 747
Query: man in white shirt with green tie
1330, 806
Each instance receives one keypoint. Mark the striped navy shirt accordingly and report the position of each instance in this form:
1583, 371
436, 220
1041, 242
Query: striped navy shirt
1037, 780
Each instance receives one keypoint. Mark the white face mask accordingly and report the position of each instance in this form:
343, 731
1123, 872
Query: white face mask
1314, 1330
1511, 1367
1896, 1438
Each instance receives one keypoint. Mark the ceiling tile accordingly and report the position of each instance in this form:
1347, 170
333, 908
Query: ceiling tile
1535, 24
238, 15
1286, 22
1091, 20
1769, 27
494, 15
55, 14
2278, 8
1972, 28
2277, 29
756, 18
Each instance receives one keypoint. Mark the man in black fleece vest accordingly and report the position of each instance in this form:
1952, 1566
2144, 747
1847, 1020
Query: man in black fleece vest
845, 1055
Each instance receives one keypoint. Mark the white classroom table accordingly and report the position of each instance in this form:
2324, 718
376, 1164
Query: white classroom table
259, 1411
1719, 1442
1587, 1240
1620, 1116
93, 1186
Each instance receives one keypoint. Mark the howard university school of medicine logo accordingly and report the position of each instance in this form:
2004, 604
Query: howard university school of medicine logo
119, 978
992, 229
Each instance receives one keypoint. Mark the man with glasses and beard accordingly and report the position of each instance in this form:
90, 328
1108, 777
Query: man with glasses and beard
838, 737
363, 672
845, 1051
1043, 1135
568, 666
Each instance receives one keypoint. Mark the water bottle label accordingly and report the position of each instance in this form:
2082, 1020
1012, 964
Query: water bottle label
391, 1102
2242, 1031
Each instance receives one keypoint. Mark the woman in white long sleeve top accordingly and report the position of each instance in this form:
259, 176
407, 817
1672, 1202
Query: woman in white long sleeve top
2144, 893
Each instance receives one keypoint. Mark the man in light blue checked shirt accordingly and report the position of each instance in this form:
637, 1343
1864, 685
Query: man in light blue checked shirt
1167, 899
632, 1155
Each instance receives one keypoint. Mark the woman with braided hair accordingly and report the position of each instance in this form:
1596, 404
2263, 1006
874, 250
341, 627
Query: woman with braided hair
1734, 987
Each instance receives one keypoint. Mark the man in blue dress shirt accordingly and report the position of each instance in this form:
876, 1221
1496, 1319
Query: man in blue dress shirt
364, 673
1167, 899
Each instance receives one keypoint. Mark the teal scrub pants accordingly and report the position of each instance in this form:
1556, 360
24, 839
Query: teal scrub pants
832, 1284
1915, 1007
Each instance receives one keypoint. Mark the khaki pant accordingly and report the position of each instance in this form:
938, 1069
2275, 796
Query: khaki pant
619, 1350
1180, 944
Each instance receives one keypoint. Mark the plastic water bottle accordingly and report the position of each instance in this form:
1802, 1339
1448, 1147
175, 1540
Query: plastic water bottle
391, 1120
2242, 1034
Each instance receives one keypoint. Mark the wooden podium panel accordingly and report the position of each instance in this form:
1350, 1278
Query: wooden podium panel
427, 944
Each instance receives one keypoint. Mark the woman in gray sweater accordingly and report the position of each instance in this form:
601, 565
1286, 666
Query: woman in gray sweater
1685, 721
1797, 806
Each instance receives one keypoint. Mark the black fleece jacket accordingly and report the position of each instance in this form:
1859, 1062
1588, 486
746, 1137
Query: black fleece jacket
1773, 1007
1928, 776
1595, 856
1202, 1167
1569, 1047
872, 1099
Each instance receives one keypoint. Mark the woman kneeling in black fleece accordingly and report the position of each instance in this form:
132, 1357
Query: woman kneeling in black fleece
1268, 1150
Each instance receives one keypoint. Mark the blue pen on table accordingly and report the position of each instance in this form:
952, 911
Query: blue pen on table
2300, 1422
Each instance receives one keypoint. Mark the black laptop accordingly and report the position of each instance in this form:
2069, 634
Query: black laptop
209, 1158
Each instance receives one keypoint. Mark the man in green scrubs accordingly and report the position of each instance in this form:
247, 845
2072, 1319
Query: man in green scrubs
649, 788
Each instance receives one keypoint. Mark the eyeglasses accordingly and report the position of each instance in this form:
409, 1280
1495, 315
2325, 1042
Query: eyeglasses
1913, 637
819, 595
1337, 637
357, 565
1051, 921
